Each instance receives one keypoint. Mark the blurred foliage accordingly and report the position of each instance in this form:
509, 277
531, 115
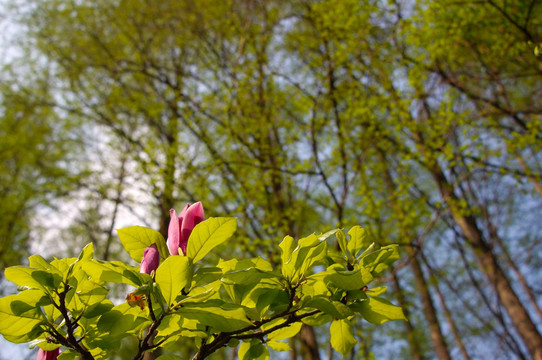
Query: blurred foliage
419, 119
37, 150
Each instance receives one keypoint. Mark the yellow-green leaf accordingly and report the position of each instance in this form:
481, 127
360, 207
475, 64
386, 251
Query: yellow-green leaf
20, 314
209, 234
173, 275
377, 310
136, 239
342, 336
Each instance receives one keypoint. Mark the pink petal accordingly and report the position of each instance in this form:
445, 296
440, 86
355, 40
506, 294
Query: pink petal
194, 215
42, 354
173, 233
48, 355
183, 213
151, 260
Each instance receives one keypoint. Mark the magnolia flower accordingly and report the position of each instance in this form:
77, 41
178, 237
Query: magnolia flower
180, 227
151, 260
48, 355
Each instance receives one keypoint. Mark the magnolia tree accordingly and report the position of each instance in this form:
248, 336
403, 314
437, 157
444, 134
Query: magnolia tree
62, 305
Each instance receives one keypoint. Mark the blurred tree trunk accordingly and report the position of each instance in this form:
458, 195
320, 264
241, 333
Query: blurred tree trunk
308, 339
441, 349
490, 267
415, 349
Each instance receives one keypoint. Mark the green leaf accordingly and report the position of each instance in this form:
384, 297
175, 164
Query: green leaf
236, 292
114, 271
98, 309
204, 276
377, 310
341, 239
358, 240
233, 343
208, 235
201, 294
172, 276
334, 308
19, 316
318, 319
315, 287
328, 234
253, 350
285, 332
87, 253
170, 324
378, 261
217, 315
248, 276
287, 247
63, 265
348, 280
342, 336
33, 278
234, 264
267, 299
308, 251
68, 355
122, 320
369, 249
169, 357
308, 242
36, 261
99, 353
278, 345
42, 343
136, 239
90, 293
51, 313
353, 295
306, 259
376, 291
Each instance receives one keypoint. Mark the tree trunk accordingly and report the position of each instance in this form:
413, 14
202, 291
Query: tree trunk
492, 270
451, 324
429, 310
430, 314
415, 349
510, 262
308, 339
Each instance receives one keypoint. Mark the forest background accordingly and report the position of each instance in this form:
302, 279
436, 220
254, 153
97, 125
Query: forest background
420, 120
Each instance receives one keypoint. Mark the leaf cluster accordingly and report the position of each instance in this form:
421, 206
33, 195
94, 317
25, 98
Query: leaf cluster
65, 302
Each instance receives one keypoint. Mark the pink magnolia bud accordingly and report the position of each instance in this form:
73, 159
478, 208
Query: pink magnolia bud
48, 355
180, 227
151, 260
